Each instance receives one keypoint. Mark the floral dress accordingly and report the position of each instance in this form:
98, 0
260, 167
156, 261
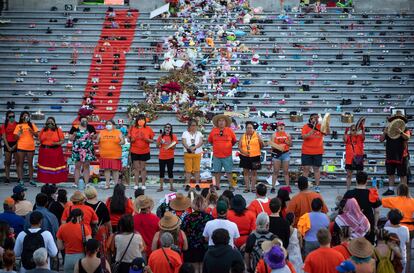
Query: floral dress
83, 149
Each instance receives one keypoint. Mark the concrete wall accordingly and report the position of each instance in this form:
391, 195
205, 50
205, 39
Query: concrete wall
386, 6
40, 4
146, 5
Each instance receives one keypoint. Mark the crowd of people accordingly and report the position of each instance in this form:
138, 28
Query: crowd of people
207, 232
19, 142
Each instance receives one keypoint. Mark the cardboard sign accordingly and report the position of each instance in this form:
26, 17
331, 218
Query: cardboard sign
160, 10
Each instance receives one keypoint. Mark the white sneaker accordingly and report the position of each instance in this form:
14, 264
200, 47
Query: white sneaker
135, 187
143, 188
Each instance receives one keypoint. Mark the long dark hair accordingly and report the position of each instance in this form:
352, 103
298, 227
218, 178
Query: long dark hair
21, 119
140, 117
73, 215
171, 131
46, 128
6, 121
118, 200
18, 197
4, 232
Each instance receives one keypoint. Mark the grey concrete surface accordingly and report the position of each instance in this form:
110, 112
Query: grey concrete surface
40, 5
394, 6
146, 6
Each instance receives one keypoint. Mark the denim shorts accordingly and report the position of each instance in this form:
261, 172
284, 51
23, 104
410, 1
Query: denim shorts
281, 157
220, 163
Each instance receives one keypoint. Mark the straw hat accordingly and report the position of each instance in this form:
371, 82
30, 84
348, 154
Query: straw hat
395, 127
268, 244
143, 202
216, 118
398, 115
90, 192
169, 221
361, 248
180, 202
77, 197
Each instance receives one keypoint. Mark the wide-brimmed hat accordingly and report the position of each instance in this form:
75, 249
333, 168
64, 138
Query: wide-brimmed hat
238, 203
395, 127
143, 202
169, 221
180, 202
275, 257
361, 248
77, 197
216, 118
398, 116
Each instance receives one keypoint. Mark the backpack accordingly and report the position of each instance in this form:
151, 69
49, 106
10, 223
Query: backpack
384, 264
257, 252
31, 243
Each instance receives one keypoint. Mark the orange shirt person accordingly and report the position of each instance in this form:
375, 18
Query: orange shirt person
354, 152
312, 148
10, 144
25, 133
243, 218
405, 203
110, 150
140, 136
166, 142
222, 138
51, 139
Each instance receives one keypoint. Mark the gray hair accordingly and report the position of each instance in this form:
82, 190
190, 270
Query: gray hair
262, 222
40, 256
166, 239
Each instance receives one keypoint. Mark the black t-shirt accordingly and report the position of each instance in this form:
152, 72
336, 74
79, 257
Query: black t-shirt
101, 210
57, 209
367, 207
90, 129
281, 228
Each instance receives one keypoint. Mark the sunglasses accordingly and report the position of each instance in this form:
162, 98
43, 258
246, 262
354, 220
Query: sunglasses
11, 116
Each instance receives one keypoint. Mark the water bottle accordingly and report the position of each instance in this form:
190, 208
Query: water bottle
374, 182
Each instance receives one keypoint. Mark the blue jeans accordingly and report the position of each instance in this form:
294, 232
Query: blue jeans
71, 260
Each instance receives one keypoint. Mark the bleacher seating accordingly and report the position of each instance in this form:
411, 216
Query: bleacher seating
324, 53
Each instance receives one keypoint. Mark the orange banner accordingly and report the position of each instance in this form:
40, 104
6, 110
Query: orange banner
114, 2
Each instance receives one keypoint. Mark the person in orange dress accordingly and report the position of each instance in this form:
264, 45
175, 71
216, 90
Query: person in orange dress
10, 144
140, 136
25, 132
354, 152
51, 139
110, 150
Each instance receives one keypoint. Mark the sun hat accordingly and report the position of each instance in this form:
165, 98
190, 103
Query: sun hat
77, 197
169, 221
395, 127
143, 202
221, 207
345, 266
398, 115
361, 248
275, 257
268, 244
180, 202
90, 192
216, 118
238, 203
19, 189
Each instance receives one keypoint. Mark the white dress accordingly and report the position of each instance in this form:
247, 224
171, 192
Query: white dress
294, 251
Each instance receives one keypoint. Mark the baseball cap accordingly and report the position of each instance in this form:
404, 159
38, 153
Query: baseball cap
345, 266
9, 201
280, 123
221, 207
137, 265
19, 189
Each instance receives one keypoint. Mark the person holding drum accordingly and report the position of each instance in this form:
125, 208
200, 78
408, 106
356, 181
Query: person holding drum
312, 147
280, 142
396, 137
354, 138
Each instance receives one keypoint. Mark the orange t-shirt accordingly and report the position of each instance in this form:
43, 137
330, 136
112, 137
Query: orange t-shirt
129, 209
405, 205
282, 138
9, 131
222, 144
312, 145
343, 249
109, 146
89, 215
140, 146
258, 206
252, 145
323, 260
166, 153
48, 137
354, 146
211, 211
245, 223
301, 204
159, 263
26, 141
260, 267
71, 235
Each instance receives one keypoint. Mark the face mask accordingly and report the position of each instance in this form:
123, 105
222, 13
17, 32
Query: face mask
84, 123
11, 119
109, 127
51, 125
27, 119
141, 123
